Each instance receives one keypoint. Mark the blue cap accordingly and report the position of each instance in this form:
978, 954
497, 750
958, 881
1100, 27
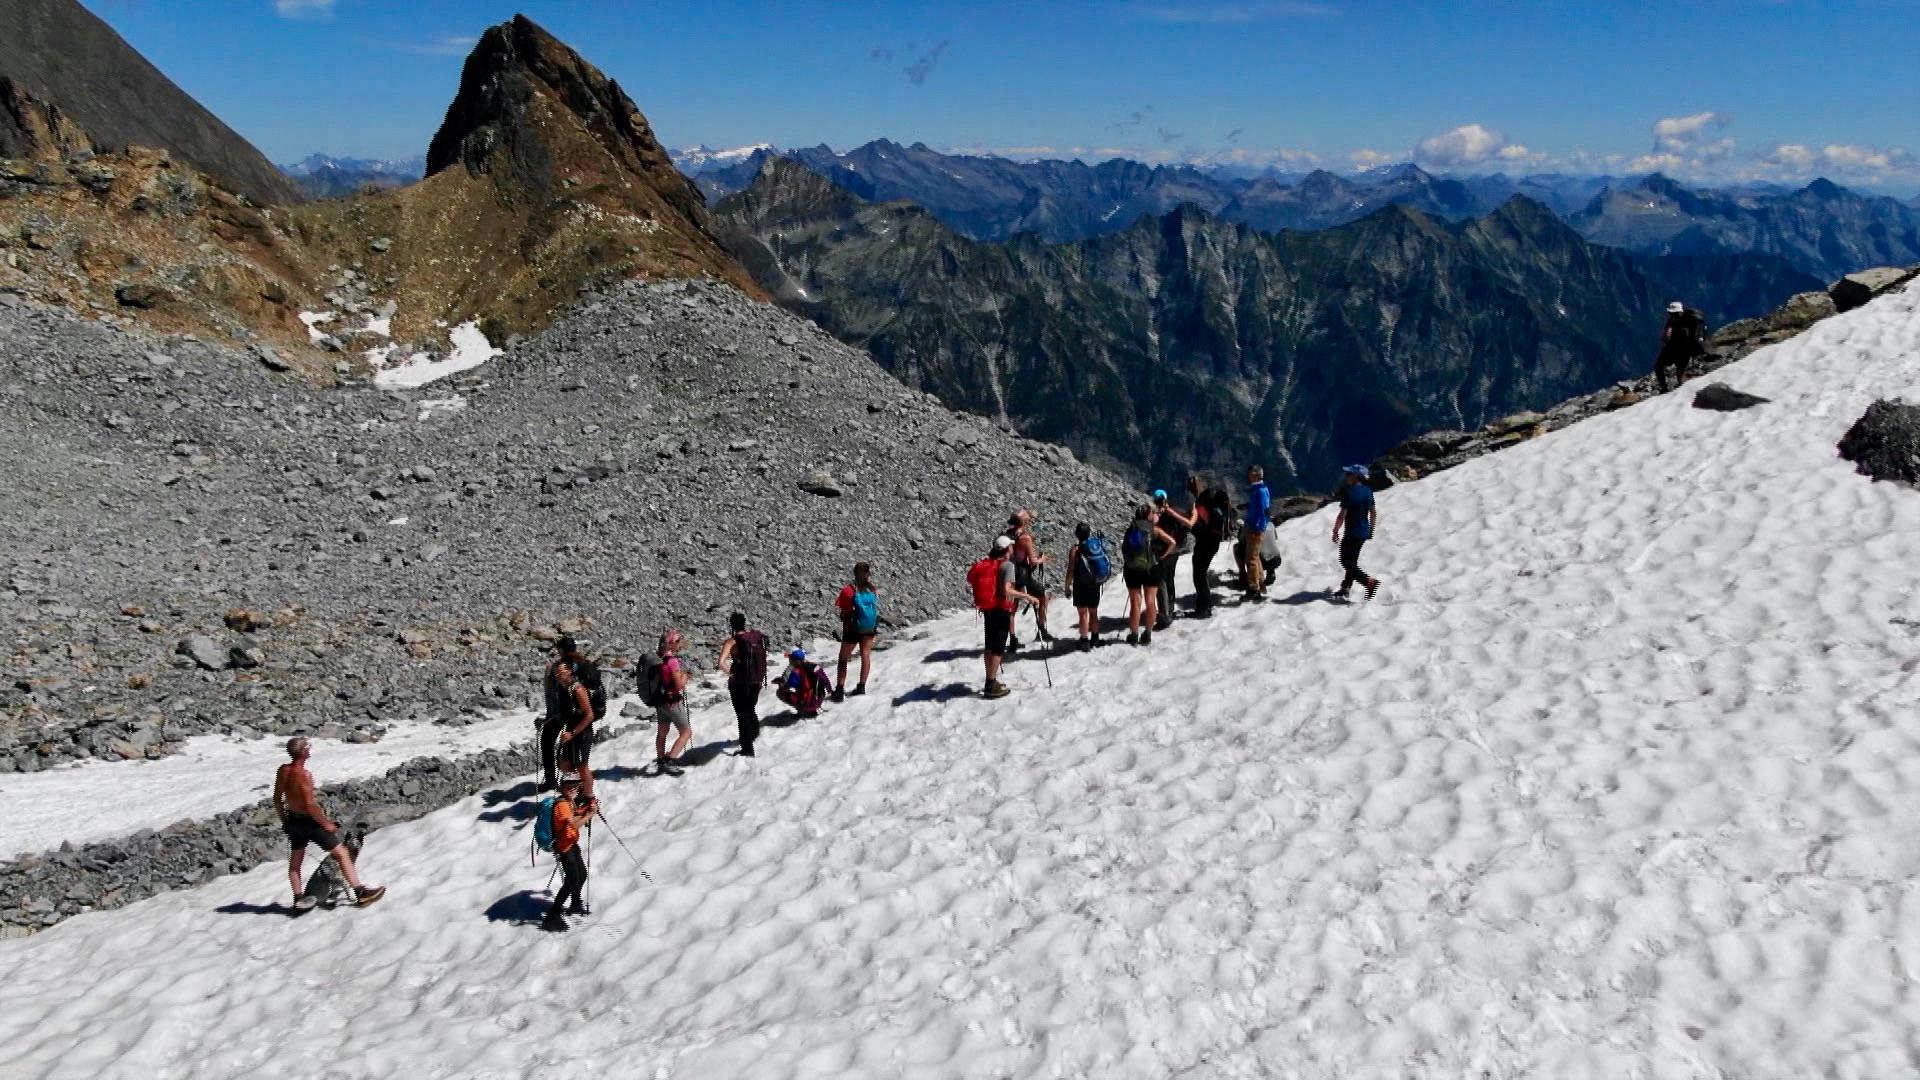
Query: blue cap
797, 654
1357, 470
1160, 494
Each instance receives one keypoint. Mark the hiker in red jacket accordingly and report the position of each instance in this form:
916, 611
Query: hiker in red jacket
995, 596
859, 608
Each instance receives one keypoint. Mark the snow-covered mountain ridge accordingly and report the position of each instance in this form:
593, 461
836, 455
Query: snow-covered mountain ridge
1613, 779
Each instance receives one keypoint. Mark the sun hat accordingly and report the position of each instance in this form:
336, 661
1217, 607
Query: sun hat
1676, 307
1356, 470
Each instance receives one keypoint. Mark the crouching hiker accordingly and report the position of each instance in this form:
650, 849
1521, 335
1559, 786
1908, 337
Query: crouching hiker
306, 823
804, 686
560, 821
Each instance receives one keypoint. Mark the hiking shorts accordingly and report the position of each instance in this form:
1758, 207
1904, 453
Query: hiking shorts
577, 749
1086, 591
1139, 579
303, 830
674, 713
999, 629
853, 635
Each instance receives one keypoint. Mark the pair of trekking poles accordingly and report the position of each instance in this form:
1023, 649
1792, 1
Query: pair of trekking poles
616, 839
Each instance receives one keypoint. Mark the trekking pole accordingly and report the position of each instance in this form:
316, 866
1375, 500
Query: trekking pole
623, 846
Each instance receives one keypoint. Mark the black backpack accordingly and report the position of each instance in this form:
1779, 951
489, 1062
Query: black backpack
1214, 510
649, 678
588, 673
749, 658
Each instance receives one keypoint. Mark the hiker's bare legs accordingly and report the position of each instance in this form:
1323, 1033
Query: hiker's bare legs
680, 744
866, 658
660, 741
346, 866
298, 857
846, 654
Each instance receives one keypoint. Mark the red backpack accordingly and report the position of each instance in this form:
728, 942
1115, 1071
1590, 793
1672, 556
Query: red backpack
984, 578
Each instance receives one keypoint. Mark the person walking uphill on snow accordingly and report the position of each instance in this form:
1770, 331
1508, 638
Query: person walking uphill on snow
306, 823
1682, 340
574, 746
859, 607
1358, 515
559, 712
664, 686
1254, 529
743, 659
570, 811
995, 596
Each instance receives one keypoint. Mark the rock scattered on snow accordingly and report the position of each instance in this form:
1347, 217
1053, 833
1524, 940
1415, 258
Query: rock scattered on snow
1885, 442
1719, 397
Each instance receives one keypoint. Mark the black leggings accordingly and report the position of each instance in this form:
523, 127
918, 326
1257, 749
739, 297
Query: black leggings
549, 733
746, 710
573, 872
1203, 554
1350, 559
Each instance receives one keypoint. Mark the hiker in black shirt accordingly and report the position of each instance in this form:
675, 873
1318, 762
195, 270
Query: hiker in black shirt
1682, 341
1212, 512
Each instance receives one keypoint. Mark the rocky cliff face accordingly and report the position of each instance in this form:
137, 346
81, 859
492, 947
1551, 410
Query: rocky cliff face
1188, 341
70, 61
1822, 229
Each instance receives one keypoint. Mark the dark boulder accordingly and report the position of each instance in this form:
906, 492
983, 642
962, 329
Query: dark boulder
1858, 290
1719, 397
1885, 442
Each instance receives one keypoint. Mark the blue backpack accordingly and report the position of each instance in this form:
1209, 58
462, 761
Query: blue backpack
1134, 547
866, 611
543, 824
1093, 556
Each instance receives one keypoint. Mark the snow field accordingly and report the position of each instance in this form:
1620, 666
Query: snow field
1615, 779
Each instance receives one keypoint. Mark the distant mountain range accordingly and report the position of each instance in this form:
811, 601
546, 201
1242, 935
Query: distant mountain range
1822, 229
1188, 340
324, 177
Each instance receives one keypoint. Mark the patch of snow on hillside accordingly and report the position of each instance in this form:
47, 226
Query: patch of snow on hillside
1531, 813
469, 348
312, 320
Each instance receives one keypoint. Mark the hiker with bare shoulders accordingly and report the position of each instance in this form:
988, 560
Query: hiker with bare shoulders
574, 746
298, 808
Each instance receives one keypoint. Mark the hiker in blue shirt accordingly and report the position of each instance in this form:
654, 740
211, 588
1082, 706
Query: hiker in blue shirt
1357, 514
1258, 521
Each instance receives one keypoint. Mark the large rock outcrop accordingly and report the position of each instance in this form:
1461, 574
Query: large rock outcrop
69, 61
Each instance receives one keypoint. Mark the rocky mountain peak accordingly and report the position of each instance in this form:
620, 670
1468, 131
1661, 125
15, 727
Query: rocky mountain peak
36, 130
518, 86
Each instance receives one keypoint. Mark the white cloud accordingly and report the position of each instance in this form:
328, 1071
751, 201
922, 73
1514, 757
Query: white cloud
451, 45
1696, 136
1470, 145
304, 9
1373, 159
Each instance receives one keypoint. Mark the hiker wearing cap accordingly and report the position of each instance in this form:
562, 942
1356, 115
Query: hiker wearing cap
1682, 340
573, 808
559, 714
1254, 530
671, 712
304, 822
1029, 571
574, 745
743, 660
859, 607
1212, 510
1358, 516
804, 686
1176, 526
995, 596
1088, 567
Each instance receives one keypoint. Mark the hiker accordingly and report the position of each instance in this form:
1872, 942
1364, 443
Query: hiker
743, 659
1166, 564
995, 596
1029, 571
804, 686
572, 808
1137, 561
304, 822
575, 743
559, 715
1358, 515
1212, 509
1254, 530
1682, 341
1088, 568
666, 683
859, 607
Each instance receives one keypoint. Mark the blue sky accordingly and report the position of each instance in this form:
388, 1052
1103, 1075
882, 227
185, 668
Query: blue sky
1707, 90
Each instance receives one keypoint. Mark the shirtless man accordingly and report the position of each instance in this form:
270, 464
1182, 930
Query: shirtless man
305, 823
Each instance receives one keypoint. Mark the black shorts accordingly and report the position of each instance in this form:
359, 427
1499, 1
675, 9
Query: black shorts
576, 750
1086, 591
999, 629
303, 830
1139, 579
1029, 580
853, 635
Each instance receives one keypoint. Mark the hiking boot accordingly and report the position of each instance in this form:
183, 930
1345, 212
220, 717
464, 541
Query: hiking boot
746, 751
838, 696
1133, 637
554, 923
995, 690
579, 910
363, 897
1373, 586
1042, 635
1163, 624
858, 690
1146, 638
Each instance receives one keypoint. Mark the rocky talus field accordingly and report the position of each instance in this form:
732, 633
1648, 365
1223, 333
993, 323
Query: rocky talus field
199, 544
